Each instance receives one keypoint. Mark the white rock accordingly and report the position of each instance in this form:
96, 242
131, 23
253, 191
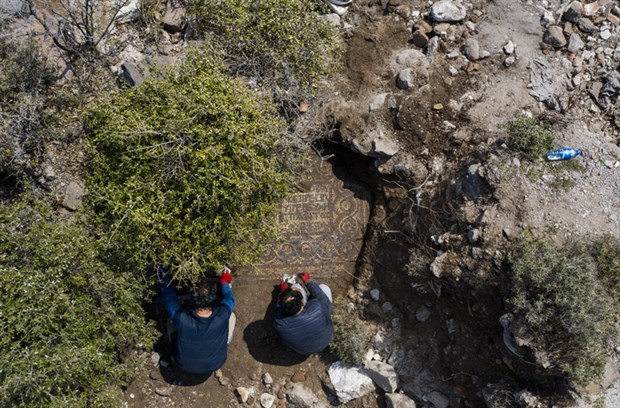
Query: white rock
575, 43
73, 196
472, 49
243, 393
349, 382
301, 397
377, 102
399, 401
267, 400
267, 380
383, 374
385, 146
405, 79
453, 71
509, 61
447, 11
129, 12
437, 265
605, 34
375, 294
547, 19
509, 48
333, 19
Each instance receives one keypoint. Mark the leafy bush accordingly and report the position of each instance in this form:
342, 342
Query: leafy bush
65, 316
187, 170
564, 303
282, 39
351, 338
527, 136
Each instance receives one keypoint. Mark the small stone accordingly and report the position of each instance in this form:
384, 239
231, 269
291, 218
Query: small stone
163, 391
437, 399
472, 49
394, 400
591, 9
298, 377
333, 19
574, 12
383, 374
554, 37
303, 106
131, 74
155, 357
516, 162
267, 400
419, 39
349, 382
453, 71
473, 235
605, 34
586, 25
484, 54
267, 380
377, 102
218, 374
447, 11
243, 394
613, 19
471, 26
507, 233
175, 17
423, 26
387, 307
438, 106
224, 382
405, 78
547, 19
73, 196
509, 48
375, 294
509, 61
301, 397
575, 43
422, 314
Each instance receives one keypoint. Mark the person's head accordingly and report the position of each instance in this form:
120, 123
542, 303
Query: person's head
205, 294
291, 301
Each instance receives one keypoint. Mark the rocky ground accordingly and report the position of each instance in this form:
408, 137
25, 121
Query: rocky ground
413, 115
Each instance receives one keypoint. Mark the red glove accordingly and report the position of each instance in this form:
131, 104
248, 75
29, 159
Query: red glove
226, 276
283, 286
305, 276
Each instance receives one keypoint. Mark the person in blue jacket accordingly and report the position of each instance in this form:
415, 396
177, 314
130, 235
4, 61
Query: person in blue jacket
304, 325
204, 330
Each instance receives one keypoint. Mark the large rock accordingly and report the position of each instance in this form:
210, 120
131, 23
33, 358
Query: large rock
301, 397
349, 382
384, 375
447, 11
175, 17
399, 401
554, 36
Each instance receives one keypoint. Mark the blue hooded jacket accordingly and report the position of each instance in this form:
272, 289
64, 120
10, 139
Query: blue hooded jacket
202, 342
311, 330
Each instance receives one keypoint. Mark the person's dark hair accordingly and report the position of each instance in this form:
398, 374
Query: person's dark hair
205, 294
291, 301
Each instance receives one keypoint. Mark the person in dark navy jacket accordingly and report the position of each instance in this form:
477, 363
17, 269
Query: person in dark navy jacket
304, 324
203, 330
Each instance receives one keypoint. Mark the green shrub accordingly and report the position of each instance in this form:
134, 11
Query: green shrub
528, 137
187, 170
351, 338
269, 39
563, 304
65, 316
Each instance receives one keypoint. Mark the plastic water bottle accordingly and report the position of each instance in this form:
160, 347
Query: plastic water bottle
565, 153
